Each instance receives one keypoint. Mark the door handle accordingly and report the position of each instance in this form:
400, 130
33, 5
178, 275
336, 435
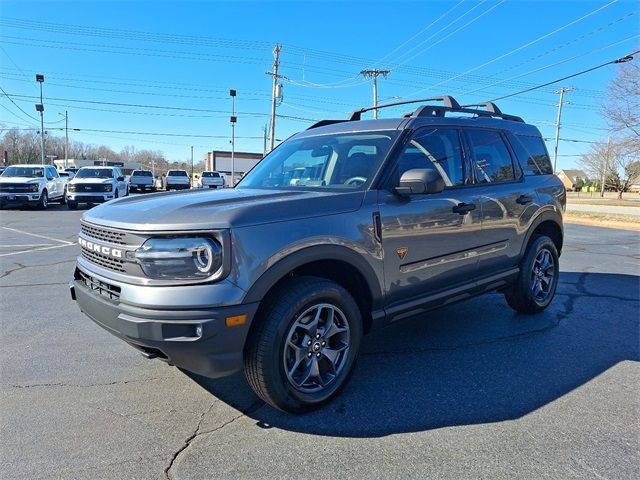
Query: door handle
464, 208
524, 199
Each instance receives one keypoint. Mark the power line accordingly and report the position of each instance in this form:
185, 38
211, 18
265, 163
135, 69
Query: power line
18, 106
163, 107
626, 58
521, 47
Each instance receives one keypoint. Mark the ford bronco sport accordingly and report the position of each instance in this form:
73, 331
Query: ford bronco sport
391, 218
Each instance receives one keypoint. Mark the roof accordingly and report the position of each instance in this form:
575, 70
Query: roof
573, 174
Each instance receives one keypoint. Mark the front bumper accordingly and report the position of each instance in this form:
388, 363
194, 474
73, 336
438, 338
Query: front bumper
89, 197
20, 198
195, 338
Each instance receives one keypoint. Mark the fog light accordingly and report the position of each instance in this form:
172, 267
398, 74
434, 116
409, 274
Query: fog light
199, 331
236, 320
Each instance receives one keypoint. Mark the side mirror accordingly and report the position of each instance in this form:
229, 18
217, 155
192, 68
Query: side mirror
120, 179
420, 180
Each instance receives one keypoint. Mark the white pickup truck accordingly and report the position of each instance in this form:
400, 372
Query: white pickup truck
96, 185
32, 185
177, 180
211, 180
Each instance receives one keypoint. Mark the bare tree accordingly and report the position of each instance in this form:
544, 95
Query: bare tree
622, 106
616, 163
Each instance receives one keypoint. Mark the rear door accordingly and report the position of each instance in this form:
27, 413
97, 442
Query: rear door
430, 241
507, 204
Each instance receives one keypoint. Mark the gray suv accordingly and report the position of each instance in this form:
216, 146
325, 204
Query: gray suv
389, 219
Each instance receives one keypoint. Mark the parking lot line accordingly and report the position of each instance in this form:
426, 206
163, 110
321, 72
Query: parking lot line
27, 245
39, 236
37, 249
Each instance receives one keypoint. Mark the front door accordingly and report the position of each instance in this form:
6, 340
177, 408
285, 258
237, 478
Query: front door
430, 241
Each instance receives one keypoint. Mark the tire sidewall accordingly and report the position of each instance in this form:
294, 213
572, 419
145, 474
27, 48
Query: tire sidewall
540, 243
44, 200
334, 295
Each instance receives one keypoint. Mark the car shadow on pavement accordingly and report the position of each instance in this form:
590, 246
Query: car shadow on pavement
470, 363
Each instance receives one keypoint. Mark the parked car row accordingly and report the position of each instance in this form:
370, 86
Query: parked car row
38, 185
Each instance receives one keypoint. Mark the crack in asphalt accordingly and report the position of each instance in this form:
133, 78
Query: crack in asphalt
21, 266
75, 385
168, 475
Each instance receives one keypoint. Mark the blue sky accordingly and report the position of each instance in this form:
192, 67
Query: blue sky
175, 61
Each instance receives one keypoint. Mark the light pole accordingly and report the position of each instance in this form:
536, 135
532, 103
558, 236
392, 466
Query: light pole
232, 93
66, 138
40, 108
191, 181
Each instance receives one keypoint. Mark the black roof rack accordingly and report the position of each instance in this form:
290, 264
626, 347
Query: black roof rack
447, 100
449, 105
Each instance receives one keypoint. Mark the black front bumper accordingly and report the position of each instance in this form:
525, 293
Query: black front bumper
195, 340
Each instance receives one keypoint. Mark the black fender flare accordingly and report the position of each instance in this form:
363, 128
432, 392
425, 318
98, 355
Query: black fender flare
549, 214
311, 254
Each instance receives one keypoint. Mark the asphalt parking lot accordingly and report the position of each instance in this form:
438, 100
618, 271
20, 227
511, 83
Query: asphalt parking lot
469, 391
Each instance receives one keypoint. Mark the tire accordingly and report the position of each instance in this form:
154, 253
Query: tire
72, 205
116, 194
283, 338
537, 281
43, 203
63, 200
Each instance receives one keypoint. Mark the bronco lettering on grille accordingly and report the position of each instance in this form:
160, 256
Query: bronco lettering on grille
95, 247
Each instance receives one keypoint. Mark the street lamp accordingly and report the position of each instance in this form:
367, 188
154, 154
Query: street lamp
40, 108
191, 166
234, 119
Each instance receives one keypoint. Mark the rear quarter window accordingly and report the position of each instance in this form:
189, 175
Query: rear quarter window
532, 154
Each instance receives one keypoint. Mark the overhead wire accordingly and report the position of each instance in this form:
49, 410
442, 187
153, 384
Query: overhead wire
515, 50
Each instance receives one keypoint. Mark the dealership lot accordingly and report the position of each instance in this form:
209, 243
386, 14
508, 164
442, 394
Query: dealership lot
472, 390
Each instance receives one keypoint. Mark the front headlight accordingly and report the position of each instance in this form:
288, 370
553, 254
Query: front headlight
107, 187
71, 187
180, 258
34, 187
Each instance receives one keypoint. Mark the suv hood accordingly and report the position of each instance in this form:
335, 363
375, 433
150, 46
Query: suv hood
214, 209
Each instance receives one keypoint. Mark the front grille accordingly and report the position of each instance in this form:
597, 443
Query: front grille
16, 188
104, 261
102, 288
89, 187
110, 236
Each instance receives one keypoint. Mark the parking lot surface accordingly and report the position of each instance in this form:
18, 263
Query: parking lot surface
472, 390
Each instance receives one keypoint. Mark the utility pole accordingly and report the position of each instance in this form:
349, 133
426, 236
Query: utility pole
233, 137
191, 180
66, 139
264, 140
274, 91
562, 91
374, 75
40, 108
605, 167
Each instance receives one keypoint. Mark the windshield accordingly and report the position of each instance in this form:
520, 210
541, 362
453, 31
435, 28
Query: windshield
95, 173
28, 172
339, 161
141, 173
177, 173
210, 174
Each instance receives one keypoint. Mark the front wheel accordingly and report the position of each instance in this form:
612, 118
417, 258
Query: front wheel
43, 204
72, 205
303, 345
63, 200
537, 281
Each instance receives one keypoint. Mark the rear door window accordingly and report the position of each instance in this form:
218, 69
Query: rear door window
532, 154
491, 158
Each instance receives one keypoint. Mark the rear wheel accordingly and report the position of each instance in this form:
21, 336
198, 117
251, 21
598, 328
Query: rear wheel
302, 348
63, 199
537, 281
